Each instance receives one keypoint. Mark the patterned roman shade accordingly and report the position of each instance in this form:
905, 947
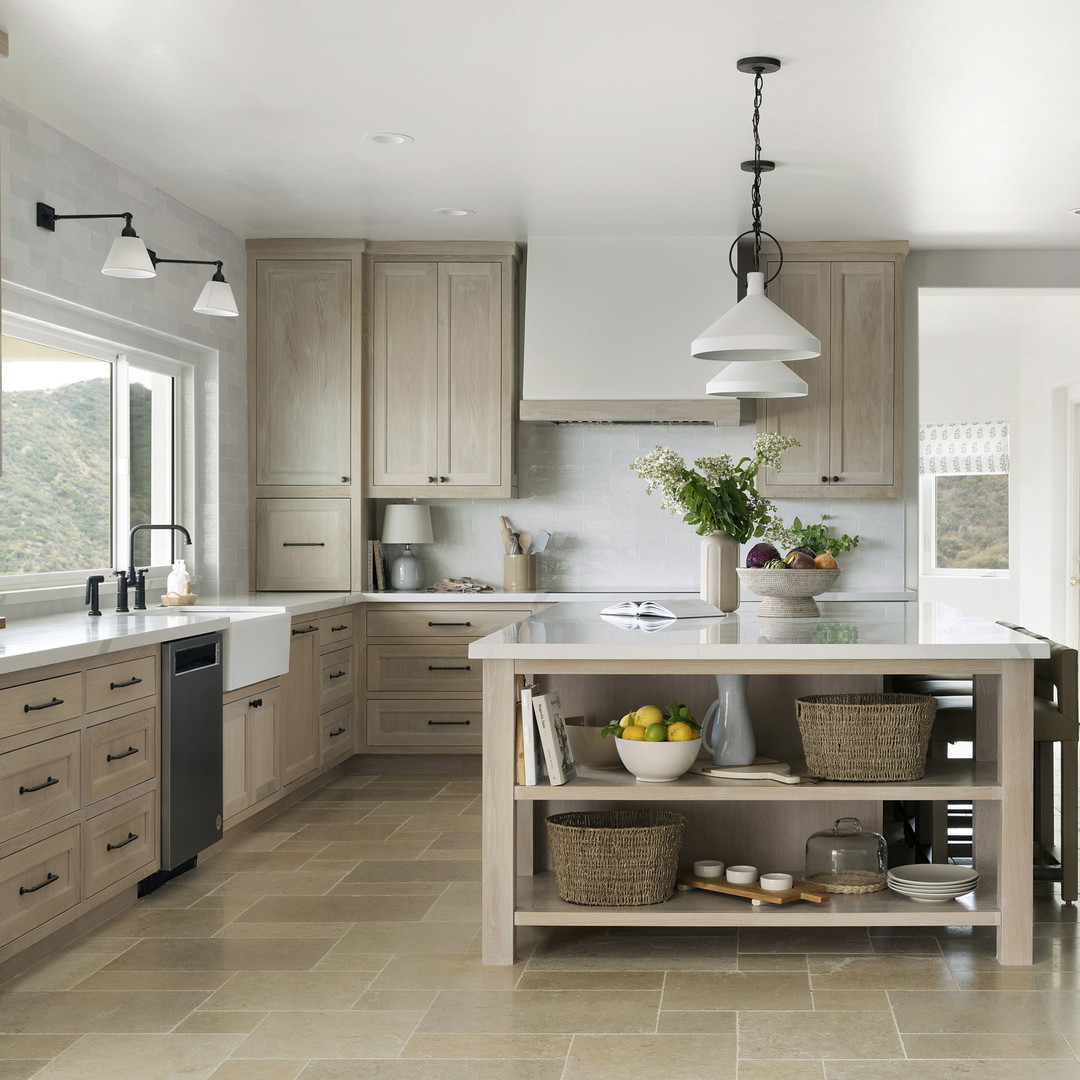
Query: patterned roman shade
960, 449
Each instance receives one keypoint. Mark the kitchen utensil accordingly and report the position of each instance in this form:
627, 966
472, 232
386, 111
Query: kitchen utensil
748, 772
800, 890
540, 541
525, 540
515, 545
507, 535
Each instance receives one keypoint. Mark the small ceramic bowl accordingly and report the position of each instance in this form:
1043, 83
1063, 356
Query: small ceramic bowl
776, 882
658, 762
708, 868
742, 875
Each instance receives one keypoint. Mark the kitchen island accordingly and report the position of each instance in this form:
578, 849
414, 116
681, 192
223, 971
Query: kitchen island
851, 646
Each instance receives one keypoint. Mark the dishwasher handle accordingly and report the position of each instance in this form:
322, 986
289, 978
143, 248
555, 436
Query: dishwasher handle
203, 653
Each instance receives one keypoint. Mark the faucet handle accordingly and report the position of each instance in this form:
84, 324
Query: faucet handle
121, 591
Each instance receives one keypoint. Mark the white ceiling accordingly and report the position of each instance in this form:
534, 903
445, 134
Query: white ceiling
949, 123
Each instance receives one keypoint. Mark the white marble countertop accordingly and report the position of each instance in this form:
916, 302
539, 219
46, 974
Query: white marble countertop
862, 631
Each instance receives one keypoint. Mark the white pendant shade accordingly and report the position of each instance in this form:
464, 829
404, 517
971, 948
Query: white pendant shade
755, 329
772, 379
216, 299
128, 258
407, 523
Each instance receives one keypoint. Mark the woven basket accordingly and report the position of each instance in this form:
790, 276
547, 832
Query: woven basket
851, 882
865, 736
615, 858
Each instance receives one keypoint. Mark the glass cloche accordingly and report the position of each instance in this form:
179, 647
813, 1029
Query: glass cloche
844, 859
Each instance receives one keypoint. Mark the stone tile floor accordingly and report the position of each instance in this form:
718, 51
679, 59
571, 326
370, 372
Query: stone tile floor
341, 940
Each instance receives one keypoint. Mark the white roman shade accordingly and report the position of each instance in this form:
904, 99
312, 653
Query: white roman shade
962, 449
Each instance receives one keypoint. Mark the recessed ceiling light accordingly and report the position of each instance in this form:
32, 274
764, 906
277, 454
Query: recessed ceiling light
454, 211
387, 137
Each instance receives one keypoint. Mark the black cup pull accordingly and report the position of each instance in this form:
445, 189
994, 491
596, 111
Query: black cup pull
340, 731
49, 879
48, 705
119, 757
131, 838
256, 703
449, 723
433, 667
449, 623
824, 479
836, 479
133, 681
39, 787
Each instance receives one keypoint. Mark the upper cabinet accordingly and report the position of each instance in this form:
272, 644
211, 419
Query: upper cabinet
442, 375
849, 426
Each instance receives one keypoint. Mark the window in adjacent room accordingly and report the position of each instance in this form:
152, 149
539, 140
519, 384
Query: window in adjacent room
964, 499
90, 448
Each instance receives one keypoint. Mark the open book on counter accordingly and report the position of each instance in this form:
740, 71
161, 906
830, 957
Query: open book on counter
656, 614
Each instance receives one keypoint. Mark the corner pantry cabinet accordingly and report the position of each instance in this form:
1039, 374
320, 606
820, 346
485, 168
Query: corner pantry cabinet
850, 424
304, 344
441, 380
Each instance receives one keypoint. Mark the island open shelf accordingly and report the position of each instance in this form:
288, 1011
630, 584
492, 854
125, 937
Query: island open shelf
570, 640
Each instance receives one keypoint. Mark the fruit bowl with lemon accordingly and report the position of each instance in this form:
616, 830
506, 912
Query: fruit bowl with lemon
656, 748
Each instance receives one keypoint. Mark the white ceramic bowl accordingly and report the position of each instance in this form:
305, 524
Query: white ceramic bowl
658, 762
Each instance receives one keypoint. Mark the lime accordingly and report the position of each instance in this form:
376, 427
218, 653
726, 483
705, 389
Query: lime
656, 733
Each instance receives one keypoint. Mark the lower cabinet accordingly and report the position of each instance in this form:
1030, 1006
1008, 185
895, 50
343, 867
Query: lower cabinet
250, 746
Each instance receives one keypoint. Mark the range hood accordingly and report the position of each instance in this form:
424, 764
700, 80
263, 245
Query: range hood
608, 326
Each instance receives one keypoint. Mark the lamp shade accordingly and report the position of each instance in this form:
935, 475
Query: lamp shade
216, 299
771, 379
128, 258
407, 523
755, 329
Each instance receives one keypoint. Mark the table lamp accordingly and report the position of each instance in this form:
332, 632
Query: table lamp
408, 524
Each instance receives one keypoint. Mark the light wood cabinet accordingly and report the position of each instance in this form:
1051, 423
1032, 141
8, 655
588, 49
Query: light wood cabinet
849, 425
442, 371
303, 544
250, 747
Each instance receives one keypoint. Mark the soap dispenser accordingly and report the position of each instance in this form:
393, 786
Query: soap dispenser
179, 580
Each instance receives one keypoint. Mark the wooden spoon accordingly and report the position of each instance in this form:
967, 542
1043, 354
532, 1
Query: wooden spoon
525, 540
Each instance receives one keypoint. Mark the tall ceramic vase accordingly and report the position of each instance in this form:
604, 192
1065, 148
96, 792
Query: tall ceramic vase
727, 732
719, 561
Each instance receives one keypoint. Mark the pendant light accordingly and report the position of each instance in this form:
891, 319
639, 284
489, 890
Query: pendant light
217, 295
755, 329
764, 379
127, 258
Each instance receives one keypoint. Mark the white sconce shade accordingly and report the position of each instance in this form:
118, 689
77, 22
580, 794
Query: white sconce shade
128, 258
217, 299
407, 523
755, 329
772, 379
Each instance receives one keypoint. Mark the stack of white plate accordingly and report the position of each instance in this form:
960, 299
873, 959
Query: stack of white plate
932, 883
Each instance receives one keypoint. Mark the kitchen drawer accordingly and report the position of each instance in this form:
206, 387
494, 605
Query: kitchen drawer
336, 629
33, 705
400, 722
435, 668
119, 754
302, 544
335, 733
119, 842
38, 784
117, 684
337, 680
38, 883
449, 621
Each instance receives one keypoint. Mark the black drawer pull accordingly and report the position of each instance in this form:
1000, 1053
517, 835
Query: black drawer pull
256, 704
433, 667
449, 624
49, 879
340, 731
39, 787
48, 705
133, 681
119, 757
307, 630
316, 543
338, 674
335, 629
131, 838
449, 723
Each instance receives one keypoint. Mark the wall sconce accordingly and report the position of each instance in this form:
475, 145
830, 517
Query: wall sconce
217, 295
127, 258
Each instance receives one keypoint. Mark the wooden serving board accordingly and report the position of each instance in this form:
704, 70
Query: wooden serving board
800, 890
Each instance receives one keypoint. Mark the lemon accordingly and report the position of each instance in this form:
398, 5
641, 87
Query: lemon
656, 733
649, 714
633, 732
627, 720
680, 732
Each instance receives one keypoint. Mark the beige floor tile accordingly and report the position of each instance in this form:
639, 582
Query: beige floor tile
461, 902
336, 909
880, 973
641, 952
310, 846
435, 971
492, 1011
258, 1070
981, 1069
591, 980
1001, 1011
265, 839
684, 1056
329, 1035
103, 1010
238, 1023
393, 849
513, 1047
909, 945
851, 1000
145, 1057
404, 870
984, 1045
457, 839
402, 937
222, 954
353, 961
707, 1022
176, 894
389, 888
307, 882
292, 930
448, 854
811, 939
419, 1069
1074, 1043
771, 962
396, 1000
63, 971
161, 980
288, 991
726, 990
1024, 979
229, 905
441, 810
13, 1047
781, 1070
247, 861
368, 832
15, 1069
169, 923
817, 1035
309, 813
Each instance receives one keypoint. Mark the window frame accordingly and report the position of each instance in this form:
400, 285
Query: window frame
928, 532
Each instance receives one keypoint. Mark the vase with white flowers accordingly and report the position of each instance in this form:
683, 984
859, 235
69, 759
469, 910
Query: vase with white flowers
717, 496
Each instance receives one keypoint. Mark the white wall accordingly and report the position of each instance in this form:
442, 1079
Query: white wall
56, 277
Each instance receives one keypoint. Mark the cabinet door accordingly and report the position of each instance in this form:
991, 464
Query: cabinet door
302, 544
298, 746
471, 389
236, 788
863, 372
262, 731
405, 375
303, 371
